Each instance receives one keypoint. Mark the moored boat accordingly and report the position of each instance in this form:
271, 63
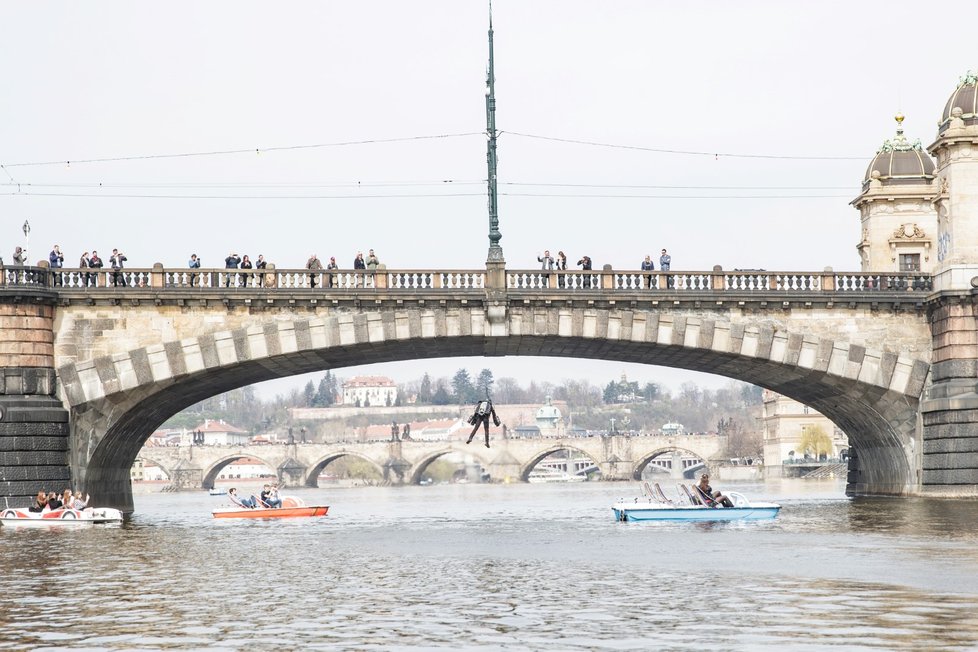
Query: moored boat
547, 474
291, 508
657, 507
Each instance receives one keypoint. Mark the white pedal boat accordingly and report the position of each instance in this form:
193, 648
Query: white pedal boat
87, 516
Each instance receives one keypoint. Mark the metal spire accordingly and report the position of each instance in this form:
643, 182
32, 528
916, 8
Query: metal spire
495, 251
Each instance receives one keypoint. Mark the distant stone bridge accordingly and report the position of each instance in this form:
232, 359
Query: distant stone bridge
619, 457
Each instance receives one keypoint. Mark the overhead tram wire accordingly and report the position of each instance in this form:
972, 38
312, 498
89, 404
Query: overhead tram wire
250, 185
374, 141
250, 197
231, 152
662, 150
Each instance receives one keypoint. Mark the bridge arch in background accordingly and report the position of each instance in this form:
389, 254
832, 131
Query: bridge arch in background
315, 469
420, 466
644, 460
117, 401
548, 450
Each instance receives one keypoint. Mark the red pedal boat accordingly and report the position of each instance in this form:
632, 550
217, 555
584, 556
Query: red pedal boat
291, 508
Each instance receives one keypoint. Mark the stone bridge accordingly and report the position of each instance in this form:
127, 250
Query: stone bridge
404, 462
90, 369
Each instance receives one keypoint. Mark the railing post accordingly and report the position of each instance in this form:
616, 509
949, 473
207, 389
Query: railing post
607, 278
716, 280
436, 280
828, 280
496, 276
271, 276
380, 277
156, 279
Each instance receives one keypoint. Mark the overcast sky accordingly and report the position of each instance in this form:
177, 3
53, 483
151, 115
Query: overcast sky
786, 102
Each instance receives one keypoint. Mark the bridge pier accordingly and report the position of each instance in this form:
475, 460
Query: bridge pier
676, 470
292, 473
949, 411
34, 433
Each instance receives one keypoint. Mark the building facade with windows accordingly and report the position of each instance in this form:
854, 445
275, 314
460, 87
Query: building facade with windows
367, 391
786, 422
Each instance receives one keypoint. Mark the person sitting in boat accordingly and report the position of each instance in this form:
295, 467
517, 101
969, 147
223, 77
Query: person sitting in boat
54, 502
40, 502
249, 503
712, 498
269, 497
78, 502
67, 499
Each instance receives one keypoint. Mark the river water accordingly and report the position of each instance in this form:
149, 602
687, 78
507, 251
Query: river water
500, 567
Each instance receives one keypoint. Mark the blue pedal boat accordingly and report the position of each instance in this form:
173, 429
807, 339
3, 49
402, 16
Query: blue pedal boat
648, 509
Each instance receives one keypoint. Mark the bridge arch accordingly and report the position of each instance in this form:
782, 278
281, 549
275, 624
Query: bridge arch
546, 451
211, 472
312, 473
166, 468
645, 459
117, 400
418, 468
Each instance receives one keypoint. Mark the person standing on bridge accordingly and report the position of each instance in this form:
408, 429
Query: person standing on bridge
314, 265
86, 278
261, 264
560, 263
358, 264
648, 266
665, 263
57, 261
244, 278
194, 263
331, 269
585, 263
95, 263
546, 260
372, 264
116, 261
231, 262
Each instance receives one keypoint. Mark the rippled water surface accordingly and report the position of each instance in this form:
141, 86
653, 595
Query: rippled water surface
500, 567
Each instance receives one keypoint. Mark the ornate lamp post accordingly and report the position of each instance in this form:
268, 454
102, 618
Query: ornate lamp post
495, 250
27, 238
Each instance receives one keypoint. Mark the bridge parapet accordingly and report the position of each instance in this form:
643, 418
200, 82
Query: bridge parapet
73, 284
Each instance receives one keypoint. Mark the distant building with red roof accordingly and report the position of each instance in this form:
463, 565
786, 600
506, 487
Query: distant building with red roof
218, 433
363, 391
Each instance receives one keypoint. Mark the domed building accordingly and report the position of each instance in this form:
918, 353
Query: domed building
549, 420
965, 98
956, 199
899, 221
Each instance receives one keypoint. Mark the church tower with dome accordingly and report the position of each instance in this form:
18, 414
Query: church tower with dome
899, 222
956, 151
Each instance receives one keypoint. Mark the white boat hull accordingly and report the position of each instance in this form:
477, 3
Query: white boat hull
563, 477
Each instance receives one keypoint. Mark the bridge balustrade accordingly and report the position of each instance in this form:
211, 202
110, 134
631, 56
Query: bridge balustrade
605, 281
